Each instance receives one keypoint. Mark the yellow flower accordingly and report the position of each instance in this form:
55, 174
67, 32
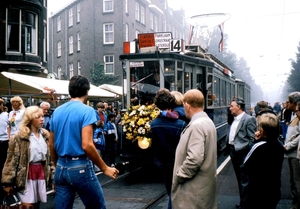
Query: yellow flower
136, 122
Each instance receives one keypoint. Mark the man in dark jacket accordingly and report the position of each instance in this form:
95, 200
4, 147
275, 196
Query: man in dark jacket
165, 134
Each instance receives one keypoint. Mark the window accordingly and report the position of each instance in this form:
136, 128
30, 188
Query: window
108, 6
30, 33
137, 11
70, 44
126, 32
59, 73
78, 12
58, 20
108, 36
45, 43
71, 70
70, 17
142, 14
79, 68
109, 64
78, 41
59, 49
151, 21
126, 6
13, 30
155, 24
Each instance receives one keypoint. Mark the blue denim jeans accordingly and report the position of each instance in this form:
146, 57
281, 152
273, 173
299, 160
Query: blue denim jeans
76, 175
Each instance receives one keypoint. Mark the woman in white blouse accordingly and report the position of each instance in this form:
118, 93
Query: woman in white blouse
15, 116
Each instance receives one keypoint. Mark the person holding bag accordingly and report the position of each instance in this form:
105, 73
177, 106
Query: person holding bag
28, 167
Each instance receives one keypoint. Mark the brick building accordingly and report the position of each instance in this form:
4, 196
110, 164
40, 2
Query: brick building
88, 31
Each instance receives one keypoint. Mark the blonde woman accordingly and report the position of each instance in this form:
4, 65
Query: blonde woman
27, 167
15, 116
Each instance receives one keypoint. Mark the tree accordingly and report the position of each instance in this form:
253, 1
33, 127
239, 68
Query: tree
294, 77
98, 77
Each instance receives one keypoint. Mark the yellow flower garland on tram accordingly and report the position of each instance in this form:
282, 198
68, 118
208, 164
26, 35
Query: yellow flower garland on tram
136, 124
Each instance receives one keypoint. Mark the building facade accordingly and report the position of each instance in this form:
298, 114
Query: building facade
88, 31
23, 36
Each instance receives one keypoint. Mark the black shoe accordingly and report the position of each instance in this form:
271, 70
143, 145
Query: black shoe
238, 206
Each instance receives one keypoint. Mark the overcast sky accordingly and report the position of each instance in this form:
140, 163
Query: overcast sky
265, 32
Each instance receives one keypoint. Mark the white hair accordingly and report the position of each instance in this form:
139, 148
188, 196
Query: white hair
45, 104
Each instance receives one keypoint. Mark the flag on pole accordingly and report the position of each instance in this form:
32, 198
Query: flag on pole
191, 34
221, 43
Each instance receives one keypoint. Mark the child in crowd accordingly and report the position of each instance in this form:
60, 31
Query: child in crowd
99, 139
111, 138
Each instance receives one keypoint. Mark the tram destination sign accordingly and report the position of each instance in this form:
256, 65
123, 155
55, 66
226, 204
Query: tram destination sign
160, 40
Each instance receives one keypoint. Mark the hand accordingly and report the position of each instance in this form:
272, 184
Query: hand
111, 172
9, 190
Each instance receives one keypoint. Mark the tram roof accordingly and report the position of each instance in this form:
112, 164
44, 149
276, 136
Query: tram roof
209, 59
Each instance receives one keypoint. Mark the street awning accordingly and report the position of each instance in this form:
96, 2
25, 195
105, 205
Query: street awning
113, 89
40, 85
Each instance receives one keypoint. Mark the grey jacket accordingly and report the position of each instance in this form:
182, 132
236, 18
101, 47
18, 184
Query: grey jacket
194, 177
244, 135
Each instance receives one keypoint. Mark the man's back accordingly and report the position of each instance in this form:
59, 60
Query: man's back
67, 123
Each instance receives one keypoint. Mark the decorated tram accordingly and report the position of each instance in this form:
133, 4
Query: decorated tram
155, 61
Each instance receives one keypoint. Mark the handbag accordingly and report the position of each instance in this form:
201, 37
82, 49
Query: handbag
11, 202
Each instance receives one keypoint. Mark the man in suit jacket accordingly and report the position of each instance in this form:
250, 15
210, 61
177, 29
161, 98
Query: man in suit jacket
240, 139
194, 176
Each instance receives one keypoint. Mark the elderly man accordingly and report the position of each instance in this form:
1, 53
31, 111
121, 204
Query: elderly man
45, 106
194, 176
240, 140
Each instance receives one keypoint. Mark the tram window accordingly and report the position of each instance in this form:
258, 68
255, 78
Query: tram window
179, 81
199, 83
232, 92
240, 92
179, 64
186, 81
169, 74
209, 95
216, 91
228, 94
145, 80
223, 93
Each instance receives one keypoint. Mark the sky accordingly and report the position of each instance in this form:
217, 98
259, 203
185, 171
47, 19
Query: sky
265, 33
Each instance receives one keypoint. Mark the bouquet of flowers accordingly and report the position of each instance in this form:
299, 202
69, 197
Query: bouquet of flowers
136, 124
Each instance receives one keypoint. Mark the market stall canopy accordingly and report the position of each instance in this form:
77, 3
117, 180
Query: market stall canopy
40, 85
113, 89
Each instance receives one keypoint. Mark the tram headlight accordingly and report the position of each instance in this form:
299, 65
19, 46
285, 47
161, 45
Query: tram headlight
143, 144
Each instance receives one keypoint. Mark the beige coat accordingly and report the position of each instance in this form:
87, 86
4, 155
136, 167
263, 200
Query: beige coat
194, 178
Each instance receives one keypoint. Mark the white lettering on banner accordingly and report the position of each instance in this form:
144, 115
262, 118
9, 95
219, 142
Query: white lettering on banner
136, 64
162, 40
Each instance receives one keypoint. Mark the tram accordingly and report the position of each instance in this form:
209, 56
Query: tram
179, 68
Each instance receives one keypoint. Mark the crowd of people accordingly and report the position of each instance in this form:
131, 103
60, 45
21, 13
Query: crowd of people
36, 152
